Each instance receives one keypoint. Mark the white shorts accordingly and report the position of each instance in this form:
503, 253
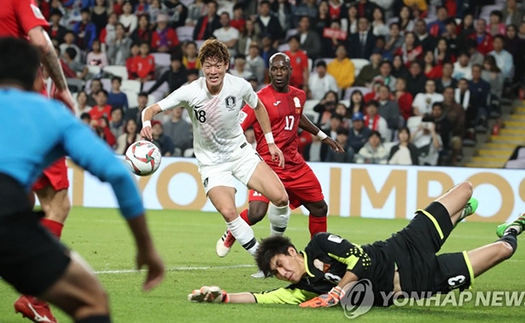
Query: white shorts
242, 165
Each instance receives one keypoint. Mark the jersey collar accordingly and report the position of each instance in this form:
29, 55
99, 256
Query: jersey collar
306, 265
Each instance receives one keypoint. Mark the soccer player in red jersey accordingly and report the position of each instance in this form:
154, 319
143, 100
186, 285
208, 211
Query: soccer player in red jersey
23, 19
285, 109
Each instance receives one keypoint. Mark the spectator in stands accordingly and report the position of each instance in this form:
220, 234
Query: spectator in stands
376, 122
496, 26
427, 142
456, 116
86, 119
145, 63
135, 113
179, 131
189, 58
379, 27
80, 69
475, 56
267, 49
177, 11
164, 38
358, 135
394, 40
516, 47
416, 79
452, 40
479, 110
361, 44
315, 151
299, 63
388, 109
406, 20
85, 30
462, 67
304, 8
207, 24
462, 93
420, 5
357, 103
424, 39
227, 34
325, 108
423, 102
410, 51
96, 57
141, 7
323, 19
196, 10
143, 31
176, 76
129, 136
369, 72
193, 74
56, 30
128, 20
267, 23
102, 108
331, 39
117, 98
99, 15
443, 52
385, 75
492, 74
431, 69
438, 27
117, 6
446, 78
160, 140
69, 42
81, 105
254, 83
467, 26
365, 9
349, 22
380, 48
238, 20
399, 69
116, 125
511, 14
321, 82
342, 69
342, 110
108, 33
119, 48
250, 34
348, 155
256, 63
101, 127
94, 87
444, 130
131, 61
239, 67
335, 123
482, 38
503, 58
373, 152
403, 98
404, 153
335, 9
283, 10
309, 40
374, 94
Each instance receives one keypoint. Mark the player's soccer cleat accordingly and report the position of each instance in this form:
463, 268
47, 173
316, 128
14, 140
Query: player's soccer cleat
224, 244
35, 310
258, 274
208, 294
518, 225
469, 209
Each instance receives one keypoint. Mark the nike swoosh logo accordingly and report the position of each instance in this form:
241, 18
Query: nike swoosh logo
277, 103
38, 317
197, 108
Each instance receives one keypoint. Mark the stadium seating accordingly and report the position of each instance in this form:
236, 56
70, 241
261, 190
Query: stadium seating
130, 85
185, 33
132, 98
359, 63
162, 59
93, 69
349, 91
117, 70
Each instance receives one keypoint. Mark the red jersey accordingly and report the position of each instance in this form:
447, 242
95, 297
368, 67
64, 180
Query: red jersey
97, 113
18, 17
285, 111
145, 66
299, 63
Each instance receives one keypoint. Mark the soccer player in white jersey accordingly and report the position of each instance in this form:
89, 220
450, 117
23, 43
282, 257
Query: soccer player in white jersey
214, 103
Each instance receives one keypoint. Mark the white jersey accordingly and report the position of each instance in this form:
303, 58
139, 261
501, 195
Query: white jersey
216, 122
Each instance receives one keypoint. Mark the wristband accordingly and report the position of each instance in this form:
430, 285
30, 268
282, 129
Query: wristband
321, 135
146, 123
225, 297
269, 138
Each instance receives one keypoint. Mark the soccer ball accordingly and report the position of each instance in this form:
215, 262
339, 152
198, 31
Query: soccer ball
143, 158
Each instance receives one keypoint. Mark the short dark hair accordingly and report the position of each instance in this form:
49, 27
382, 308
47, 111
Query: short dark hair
375, 133
372, 103
71, 52
102, 91
193, 71
20, 62
144, 94
499, 36
116, 78
342, 131
268, 249
85, 10
437, 104
85, 115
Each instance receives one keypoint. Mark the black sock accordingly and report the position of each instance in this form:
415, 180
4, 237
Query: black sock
95, 319
511, 239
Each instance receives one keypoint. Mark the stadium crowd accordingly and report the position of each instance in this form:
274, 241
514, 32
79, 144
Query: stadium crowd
406, 82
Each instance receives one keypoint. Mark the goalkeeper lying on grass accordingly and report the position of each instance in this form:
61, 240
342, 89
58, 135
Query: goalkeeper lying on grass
404, 264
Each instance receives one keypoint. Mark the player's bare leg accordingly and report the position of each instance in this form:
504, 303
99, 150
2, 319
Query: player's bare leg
456, 201
56, 206
223, 198
317, 218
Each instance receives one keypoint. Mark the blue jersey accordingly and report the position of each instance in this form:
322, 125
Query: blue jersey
36, 131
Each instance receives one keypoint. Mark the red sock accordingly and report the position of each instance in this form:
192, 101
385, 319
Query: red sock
54, 227
244, 216
316, 224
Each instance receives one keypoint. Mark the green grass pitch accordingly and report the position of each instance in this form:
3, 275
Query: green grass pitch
186, 241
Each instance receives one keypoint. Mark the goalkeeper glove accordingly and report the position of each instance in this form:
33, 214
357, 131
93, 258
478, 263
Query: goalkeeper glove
209, 294
326, 300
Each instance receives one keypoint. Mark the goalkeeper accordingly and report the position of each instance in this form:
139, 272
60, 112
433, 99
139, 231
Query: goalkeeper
406, 262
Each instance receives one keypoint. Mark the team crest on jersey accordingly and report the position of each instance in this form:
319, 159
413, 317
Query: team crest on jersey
297, 104
321, 265
230, 103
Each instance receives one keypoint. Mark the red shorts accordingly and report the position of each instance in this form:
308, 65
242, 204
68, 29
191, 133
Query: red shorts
55, 176
305, 189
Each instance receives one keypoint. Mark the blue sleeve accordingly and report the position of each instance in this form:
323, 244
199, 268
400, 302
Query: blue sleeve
101, 161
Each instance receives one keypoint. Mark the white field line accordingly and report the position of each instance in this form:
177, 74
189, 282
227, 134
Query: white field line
188, 268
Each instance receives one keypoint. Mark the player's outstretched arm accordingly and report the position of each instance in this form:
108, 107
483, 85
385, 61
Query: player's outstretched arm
214, 294
147, 116
307, 125
333, 297
264, 120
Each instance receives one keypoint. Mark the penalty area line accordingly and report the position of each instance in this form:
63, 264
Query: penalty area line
188, 268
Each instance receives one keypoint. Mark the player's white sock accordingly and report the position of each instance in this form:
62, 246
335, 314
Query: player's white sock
244, 234
278, 217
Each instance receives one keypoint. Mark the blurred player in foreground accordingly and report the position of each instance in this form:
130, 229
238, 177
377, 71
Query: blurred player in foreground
214, 103
285, 109
31, 260
406, 262
23, 19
